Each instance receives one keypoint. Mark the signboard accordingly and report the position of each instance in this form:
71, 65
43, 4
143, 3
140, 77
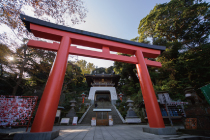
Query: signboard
178, 103
16, 110
206, 92
164, 98
58, 113
93, 122
110, 122
133, 120
65, 120
74, 122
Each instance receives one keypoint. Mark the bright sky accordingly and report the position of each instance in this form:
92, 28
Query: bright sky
116, 18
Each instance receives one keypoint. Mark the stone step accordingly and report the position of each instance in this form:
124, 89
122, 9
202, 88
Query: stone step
101, 105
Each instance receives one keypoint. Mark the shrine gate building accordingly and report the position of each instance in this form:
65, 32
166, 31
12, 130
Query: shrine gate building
102, 87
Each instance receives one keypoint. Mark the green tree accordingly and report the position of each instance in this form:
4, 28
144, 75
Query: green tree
183, 27
5, 53
186, 22
86, 68
73, 79
100, 70
73, 85
54, 10
103, 70
129, 83
32, 62
6, 70
110, 70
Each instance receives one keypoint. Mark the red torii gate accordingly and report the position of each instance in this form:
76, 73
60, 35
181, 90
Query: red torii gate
46, 112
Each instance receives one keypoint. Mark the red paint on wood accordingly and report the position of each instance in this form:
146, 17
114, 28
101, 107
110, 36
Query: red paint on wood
46, 112
88, 41
82, 52
153, 110
43, 45
106, 50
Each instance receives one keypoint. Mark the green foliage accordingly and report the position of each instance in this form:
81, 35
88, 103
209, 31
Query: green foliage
39, 73
109, 70
183, 27
177, 21
102, 70
5, 53
138, 101
129, 83
122, 108
74, 80
85, 67
36, 64
118, 101
54, 10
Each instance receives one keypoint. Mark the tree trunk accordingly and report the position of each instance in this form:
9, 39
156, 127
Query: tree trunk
21, 72
1, 70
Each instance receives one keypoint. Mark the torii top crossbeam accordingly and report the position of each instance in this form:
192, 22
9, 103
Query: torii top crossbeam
40, 28
46, 112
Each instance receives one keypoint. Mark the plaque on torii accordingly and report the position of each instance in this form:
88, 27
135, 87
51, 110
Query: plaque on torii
67, 36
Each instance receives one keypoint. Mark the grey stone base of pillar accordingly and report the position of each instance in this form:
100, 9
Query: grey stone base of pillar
160, 131
37, 136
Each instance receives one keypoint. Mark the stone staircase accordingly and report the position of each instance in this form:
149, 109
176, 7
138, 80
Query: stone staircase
102, 105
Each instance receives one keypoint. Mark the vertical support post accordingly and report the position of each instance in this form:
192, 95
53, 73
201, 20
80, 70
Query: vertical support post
153, 110
183, 110
105, 49
45, 115
169, 116
83, 99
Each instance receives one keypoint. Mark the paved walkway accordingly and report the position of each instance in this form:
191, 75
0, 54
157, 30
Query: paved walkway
116, 132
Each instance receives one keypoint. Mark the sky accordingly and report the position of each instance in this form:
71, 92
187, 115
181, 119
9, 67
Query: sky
116, 18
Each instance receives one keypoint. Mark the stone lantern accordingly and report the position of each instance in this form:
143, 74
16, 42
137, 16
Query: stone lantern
130, 104
83, 97
191, 95
131, 116
72, 112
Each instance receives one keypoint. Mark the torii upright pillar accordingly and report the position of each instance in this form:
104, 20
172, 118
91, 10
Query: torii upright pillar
44, 118
153, 111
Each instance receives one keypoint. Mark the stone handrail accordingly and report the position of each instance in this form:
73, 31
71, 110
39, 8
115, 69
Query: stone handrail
119, 114
84, 114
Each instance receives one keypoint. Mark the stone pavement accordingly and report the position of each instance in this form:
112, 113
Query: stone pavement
116, 132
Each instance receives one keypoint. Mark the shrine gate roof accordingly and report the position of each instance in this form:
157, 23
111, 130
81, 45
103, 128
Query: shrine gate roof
27, 20
89, 78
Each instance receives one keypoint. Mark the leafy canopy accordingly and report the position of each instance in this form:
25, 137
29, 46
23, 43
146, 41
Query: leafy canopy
184, 21
64, 12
